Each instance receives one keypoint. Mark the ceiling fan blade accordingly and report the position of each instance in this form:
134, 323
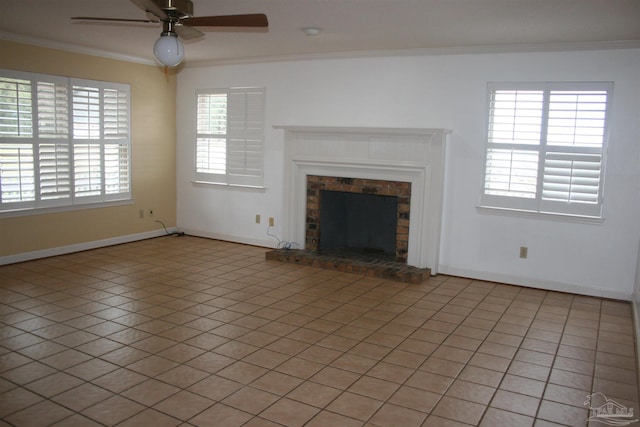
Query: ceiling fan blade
187, 33
94, 18
249, 20
151, 7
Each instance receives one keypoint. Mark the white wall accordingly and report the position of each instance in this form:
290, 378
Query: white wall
440, 91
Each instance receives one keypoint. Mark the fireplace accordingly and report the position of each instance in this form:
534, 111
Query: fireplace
355, 217
406, 163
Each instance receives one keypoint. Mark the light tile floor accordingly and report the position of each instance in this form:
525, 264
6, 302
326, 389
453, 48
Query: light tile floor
189, 331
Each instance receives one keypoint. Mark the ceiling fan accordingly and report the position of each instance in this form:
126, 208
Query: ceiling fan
178, 21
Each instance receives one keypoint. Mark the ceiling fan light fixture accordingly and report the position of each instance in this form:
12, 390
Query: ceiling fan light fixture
177, 18
168, 49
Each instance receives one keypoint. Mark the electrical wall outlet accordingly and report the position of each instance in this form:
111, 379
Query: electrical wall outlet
523, 252
257, 218
141, 213
271, 221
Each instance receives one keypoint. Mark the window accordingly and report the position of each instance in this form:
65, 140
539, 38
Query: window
546, 145
230, 136
63, 142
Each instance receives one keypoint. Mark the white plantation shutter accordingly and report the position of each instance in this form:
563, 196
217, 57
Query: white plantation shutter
545, 147
54, 155
515, 116
53, 110
211, 140
55, 171
62, 141
577, 118
86, 170
246, 133
17, 174
101, 142
571, 177
575, 146
211, 164
230, 136
115, 105
16, 109
86, 112
117, 168
512, 172
116, 126
514, 132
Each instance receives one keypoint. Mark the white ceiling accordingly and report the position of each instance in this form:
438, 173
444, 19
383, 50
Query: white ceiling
348, 26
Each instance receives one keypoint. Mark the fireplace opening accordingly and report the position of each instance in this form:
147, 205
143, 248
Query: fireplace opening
371, 241
357, 224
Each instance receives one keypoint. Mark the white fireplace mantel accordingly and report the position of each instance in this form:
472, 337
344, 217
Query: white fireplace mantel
394, 154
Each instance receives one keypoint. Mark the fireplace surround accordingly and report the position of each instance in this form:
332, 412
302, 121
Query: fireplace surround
406, 155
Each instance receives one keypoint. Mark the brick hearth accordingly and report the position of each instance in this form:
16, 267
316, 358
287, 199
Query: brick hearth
385, 269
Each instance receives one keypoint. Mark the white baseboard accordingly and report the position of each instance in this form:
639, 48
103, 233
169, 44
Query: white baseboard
78, 247
266, 243
535, 283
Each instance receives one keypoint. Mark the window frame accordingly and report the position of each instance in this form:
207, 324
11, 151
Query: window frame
539, 204
58, 141
244, 134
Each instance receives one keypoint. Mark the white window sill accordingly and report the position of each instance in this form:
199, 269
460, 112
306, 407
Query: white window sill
490, 210
57, 209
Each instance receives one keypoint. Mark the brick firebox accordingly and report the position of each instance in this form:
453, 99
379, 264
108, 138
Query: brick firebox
402, 190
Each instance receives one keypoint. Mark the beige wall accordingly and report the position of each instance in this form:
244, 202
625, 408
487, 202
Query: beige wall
153, 126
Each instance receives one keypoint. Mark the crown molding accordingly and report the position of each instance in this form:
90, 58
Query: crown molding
73, 48
455, 50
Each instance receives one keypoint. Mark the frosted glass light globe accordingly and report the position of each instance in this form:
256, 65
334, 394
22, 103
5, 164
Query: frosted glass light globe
169, 50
